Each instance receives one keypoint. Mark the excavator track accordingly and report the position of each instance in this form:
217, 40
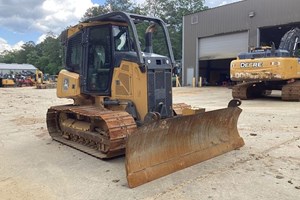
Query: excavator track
291, 91
91, 129
249, 90
240, 91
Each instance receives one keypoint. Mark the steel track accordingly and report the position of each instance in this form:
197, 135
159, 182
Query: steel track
102, 142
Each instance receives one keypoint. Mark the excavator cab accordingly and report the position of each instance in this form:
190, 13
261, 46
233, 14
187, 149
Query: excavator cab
118, 71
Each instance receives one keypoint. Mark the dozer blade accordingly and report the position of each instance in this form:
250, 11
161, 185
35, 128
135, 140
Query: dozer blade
169, 145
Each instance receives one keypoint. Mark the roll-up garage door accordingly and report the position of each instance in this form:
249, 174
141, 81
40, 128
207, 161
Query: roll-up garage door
223, 46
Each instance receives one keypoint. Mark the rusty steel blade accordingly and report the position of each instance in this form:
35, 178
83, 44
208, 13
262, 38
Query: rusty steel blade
169, 145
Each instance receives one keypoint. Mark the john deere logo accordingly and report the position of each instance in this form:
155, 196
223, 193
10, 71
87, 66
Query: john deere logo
251, 64
66, 84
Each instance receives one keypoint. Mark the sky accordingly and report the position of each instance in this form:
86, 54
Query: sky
30, 20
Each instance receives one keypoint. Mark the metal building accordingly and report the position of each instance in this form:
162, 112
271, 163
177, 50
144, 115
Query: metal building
16, 68
214, 37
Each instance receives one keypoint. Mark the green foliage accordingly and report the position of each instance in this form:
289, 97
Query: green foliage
95, 11
46, 56
120, 5
8, 57
171, 11
111, 6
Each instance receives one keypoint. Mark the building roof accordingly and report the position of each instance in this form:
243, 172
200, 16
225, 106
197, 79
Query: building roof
15, 66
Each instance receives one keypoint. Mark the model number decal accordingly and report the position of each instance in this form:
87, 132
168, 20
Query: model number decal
251, 64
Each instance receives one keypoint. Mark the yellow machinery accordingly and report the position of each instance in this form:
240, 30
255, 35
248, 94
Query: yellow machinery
7, 82
41, 83
123, 100
39, 76
265, 69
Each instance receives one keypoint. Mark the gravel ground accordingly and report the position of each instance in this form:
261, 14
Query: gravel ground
32, 166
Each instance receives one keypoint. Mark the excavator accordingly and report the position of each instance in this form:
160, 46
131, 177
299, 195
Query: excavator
264, 69
41, 83
118, 71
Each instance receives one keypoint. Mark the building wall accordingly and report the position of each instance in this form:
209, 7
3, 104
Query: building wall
234, 18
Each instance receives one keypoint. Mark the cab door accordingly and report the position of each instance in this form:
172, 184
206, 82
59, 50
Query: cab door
97, 65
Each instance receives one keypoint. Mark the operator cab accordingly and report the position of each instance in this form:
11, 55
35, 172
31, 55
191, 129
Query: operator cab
289, 47
264, 53
105, 46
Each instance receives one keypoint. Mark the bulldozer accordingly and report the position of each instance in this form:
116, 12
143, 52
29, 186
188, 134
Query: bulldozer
7, 82
265, 68
118, 71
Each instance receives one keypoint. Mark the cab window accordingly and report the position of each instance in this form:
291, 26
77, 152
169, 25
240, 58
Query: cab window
74, 53
120, 35
99, 59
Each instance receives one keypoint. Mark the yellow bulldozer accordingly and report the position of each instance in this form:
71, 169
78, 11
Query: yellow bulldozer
118, 71
264, 69
7, 82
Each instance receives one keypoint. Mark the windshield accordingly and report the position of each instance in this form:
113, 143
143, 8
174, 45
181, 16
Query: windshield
153, 32
121, 41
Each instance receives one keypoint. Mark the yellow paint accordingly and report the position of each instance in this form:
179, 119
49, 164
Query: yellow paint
200, 82
265, 69
177, 81
68, 85
39, 76
192, 111
8, 82
194, 82
75, 29
129, 83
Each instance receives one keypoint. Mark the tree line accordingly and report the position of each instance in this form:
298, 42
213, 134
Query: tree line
47, 55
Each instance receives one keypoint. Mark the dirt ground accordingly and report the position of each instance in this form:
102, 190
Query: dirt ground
33, 167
